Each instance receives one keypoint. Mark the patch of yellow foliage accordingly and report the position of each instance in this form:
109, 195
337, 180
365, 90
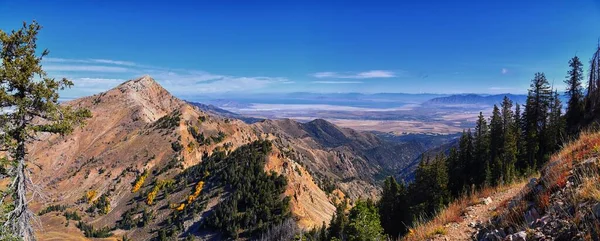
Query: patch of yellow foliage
196, 193
90, 195
139, 182
159, 185
180, 207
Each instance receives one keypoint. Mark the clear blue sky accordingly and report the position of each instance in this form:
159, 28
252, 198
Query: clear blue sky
285, 46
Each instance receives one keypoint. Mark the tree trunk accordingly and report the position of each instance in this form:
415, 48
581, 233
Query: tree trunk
19, 219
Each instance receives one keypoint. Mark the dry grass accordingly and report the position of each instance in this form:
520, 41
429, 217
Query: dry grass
453, 213
590, 190
555, 175
439, 230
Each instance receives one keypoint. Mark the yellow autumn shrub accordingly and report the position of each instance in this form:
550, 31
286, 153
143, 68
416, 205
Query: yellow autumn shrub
139, 182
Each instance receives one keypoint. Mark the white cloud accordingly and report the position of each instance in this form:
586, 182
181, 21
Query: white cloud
501, 88
336, 82
89, 61
115, 62
95, 82
89, 78
360, 75
85, 68
325, 74
504, 71
375, 74
61, 60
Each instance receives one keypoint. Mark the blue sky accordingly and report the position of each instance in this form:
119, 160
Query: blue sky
284, 46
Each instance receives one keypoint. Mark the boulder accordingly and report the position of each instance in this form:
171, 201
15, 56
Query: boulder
520, 236
486, 201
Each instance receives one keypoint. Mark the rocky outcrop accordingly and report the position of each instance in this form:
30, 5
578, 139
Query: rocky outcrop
564, 204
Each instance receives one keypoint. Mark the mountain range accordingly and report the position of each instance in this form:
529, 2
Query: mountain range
141, 139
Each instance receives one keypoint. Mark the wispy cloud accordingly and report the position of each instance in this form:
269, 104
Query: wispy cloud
504, 71
360, 75
85, 68
95, 75
495, 88
89, 61
336, 82
115, 62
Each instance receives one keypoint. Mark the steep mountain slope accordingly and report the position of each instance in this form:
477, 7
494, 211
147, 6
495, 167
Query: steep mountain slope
356, 161
562, 204
137, 127
127, 163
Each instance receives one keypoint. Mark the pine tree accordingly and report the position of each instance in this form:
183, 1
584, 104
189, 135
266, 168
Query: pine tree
496, 143
464, 161
593, 97
481, 146
363, 222
26, 88
392, 207
535, 118
520, 164
442, 195
339, 221
509, 137
557, 124
456, 170
575, 107
429, 192
323, 232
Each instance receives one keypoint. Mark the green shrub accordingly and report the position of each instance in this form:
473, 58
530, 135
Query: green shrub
90, 232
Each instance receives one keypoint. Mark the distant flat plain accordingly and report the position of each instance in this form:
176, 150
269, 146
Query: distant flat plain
396, 114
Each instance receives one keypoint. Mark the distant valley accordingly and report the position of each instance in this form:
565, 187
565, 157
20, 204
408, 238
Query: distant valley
394, 113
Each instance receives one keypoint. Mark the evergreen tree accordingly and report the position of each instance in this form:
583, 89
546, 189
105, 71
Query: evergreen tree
509, 146
535, 120
323, 232
519, 136
496, 143
455, 171
363, 222
393, 208
557, 125
339, 221
429, 191
481, 161
26, 88
575, 107
464, 161
387, 205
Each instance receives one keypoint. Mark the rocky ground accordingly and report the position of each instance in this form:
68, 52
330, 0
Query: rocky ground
568, 211
477, 214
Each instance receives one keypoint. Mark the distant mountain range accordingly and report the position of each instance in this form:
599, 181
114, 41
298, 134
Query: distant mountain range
474, 99
225, 113
376, 101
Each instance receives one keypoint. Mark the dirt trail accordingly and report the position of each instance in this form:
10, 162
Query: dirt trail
478, 213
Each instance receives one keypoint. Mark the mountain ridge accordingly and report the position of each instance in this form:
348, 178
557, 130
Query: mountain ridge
139, 129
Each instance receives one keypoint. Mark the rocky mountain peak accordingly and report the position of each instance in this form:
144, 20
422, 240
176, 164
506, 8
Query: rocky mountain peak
140, 84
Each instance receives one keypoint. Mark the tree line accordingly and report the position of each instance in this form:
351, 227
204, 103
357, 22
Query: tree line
515, 141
